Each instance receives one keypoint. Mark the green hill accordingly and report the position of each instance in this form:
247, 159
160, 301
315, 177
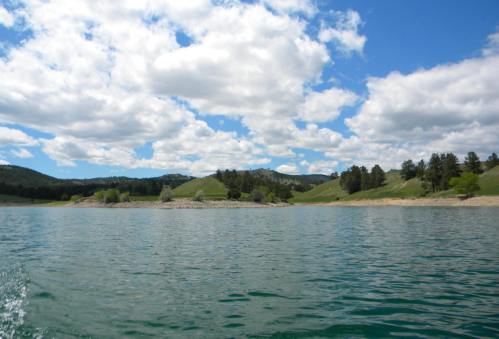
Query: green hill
284, 178
211, 187
394, 187
16, 175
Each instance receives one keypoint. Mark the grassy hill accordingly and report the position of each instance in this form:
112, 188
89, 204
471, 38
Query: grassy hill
211, 187
15, 176
284, 178
394, 187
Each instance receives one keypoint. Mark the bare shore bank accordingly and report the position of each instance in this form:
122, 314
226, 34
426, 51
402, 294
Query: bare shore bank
175, 204
450, 202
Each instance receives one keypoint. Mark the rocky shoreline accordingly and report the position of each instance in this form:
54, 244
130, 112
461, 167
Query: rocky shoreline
175, 204
449, 202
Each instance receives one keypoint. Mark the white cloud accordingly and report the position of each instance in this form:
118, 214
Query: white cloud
304, 163
427, 105
101, 79
345, 36
15, 137
22, 153
322, 167
6, 18
289, 6
289, 168
3, 162
325, 106
492, 46
301, 155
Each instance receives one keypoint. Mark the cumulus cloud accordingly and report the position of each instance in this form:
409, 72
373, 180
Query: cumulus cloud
3, 162
428, 104
15, 137
6, 18
289, 6
289, 168
492, 46
304, 163
345, 36
22, 153
325, 106
107, 79
322, 167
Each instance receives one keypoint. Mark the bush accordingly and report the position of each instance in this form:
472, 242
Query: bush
75, 198
233, 193
199, 196
125, 197
65, 197
112, 195
100, 195
271, 198
337, 198
166, 194
258, 194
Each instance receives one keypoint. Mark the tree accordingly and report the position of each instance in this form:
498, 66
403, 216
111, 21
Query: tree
433, 172
155, 190
199, 196
219, 175
408, 170
377, 176
65, 197
125, 197
334, 176
100, 195
467, 183
365, 179
350, 180
420, 169
472, 163
450, 169
233, 193
166, 194
492, 161
112, 195
258, 194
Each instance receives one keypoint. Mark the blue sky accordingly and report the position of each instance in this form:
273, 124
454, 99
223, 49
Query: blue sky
298, 86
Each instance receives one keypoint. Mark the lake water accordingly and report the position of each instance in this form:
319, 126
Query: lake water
297, 272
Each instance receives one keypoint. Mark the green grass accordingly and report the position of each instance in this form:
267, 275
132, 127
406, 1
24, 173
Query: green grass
15, 198
213, 189
151, 198
394, 187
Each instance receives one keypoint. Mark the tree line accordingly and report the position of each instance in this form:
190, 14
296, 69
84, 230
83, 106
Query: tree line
247, 183
441, 171
358, 178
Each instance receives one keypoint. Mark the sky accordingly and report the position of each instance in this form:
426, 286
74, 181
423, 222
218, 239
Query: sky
97, 88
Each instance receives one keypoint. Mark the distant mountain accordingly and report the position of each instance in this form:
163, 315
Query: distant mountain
15, 176
285, 178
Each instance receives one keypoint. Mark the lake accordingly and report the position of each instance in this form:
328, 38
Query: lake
296, 272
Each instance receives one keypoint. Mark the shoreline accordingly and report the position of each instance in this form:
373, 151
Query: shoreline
483, 201
175, 204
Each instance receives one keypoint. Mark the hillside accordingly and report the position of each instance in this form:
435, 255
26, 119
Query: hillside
15, 176
394, 187
212, 188
284, 178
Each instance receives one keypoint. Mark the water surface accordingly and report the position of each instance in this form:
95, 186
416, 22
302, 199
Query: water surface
298, 272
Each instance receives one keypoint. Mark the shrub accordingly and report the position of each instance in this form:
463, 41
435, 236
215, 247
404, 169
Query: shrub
233, 193
199, 196
100, 195
271, 197
75, 198
125, 197
166, 194
258, 194
65, 197
112, 195
337, 198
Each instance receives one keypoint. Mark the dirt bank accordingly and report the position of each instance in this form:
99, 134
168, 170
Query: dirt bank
451, 202
175, 204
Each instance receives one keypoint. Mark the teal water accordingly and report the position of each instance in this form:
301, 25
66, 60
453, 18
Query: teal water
298, 272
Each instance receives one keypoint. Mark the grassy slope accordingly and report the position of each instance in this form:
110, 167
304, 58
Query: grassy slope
15, 198
394, 187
